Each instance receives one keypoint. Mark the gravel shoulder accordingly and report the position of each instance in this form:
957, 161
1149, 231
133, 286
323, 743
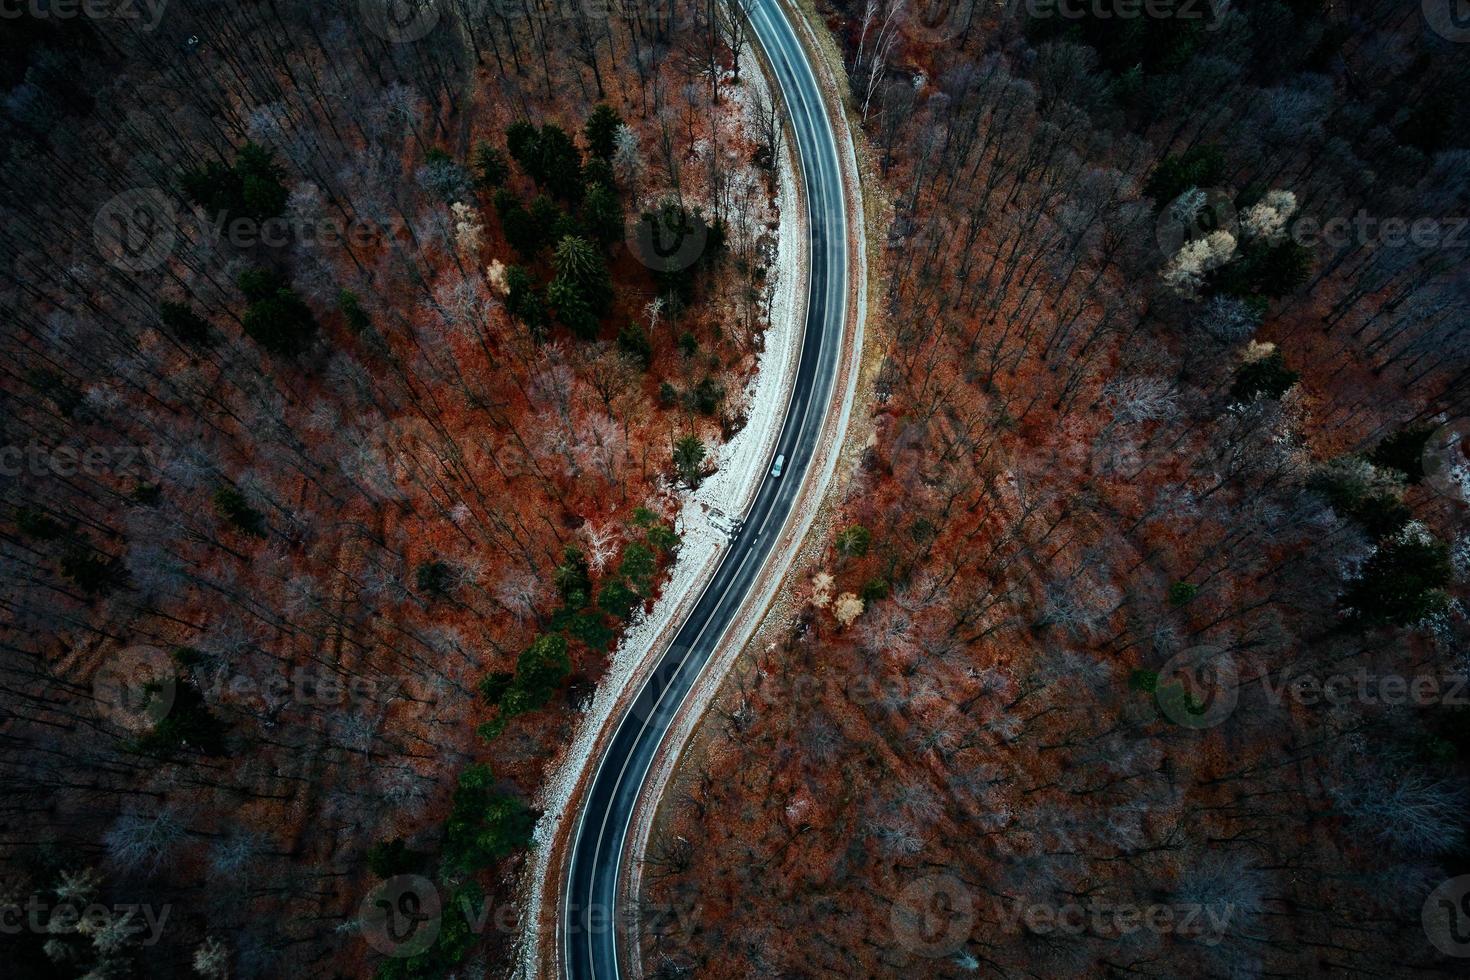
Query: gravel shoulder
704, 515
848, 433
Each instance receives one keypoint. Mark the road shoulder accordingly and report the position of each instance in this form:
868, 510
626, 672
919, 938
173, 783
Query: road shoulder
740, 467
846, 434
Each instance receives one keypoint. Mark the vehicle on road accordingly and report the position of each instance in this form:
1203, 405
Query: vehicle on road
600, 840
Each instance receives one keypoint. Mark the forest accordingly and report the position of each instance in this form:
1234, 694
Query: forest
1137, 646
355, 356
360, 356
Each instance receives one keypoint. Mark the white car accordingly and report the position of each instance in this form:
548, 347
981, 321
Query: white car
778, 464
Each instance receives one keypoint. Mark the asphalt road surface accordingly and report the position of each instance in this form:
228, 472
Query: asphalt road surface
588, 926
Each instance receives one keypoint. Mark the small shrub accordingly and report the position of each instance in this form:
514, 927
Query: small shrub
36, 524
1146, 681
1404, 451
184, 323
1267, 377
853, 541
435, 579
1181, 592
90, 571
231, 505
1401, 584
393, 857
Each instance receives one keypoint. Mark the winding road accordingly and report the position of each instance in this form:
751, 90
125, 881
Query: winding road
588, 936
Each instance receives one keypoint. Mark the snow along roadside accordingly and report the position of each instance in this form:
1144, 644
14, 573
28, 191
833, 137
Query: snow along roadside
703, 515
765, 606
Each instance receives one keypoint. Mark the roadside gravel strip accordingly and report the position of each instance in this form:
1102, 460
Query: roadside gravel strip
604, 778
703, 521
755, 612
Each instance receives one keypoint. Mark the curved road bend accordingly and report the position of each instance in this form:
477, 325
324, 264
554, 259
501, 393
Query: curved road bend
589, 945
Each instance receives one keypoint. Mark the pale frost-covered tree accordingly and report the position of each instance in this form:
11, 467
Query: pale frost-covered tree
876, 40
1185, 272
849, 607
521, 592
235, 853
110, 932
1267, 218
140, 841
460, 302
78, 886
1411, 813
1256, 351
1079, 604
898, 841
1140, 399
602, 545
495, 276
822, 590
1186, 207
212, 959
601, 444
1228, 319
405, 790
654, 311
1460, 557
627, 157
1225, 882
468, 231
889, 629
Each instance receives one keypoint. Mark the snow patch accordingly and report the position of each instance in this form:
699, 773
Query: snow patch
703, 520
